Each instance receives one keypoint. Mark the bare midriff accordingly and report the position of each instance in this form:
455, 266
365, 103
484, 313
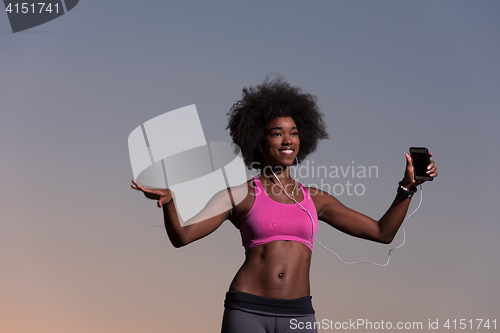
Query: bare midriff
278, 269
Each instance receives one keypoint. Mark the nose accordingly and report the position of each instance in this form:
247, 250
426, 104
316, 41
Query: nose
286, 140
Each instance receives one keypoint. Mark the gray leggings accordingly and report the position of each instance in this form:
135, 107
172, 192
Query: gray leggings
239, 321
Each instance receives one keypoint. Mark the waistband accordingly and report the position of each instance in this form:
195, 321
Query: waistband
269, 306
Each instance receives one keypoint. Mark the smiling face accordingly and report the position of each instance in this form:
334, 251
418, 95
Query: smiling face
281, 142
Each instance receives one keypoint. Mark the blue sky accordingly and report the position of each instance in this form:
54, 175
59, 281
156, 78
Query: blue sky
80, 251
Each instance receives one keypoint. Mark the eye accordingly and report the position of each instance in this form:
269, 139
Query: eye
276, 134
295, 133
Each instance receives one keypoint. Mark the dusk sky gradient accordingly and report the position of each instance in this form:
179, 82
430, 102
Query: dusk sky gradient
81, 252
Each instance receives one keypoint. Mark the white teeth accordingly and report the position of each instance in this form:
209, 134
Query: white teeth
288, 151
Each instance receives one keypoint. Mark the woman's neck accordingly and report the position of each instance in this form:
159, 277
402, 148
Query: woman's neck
280, 172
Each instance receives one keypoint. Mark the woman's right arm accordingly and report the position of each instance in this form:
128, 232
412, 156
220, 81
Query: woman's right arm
217, 210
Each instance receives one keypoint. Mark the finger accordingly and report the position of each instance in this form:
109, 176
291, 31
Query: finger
431, 154
408, 159
431, 167
159, 203
138, 188
137, 183
143, 189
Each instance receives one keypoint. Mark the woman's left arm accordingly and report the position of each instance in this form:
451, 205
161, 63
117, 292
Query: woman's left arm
331, 211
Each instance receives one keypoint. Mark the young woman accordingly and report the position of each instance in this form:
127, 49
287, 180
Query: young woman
277, 125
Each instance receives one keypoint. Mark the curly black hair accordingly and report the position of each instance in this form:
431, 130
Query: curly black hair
273, 98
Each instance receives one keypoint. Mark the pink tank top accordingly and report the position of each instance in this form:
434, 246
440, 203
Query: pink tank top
269, 220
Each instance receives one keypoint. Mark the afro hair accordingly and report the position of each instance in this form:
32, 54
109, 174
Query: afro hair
263, 103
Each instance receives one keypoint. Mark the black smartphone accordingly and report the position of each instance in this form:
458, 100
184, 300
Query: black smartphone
420, 160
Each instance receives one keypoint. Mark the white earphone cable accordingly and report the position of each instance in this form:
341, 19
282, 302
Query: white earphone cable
392, 249
292, 197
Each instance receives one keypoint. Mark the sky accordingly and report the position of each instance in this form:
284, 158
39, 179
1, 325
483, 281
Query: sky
82, 252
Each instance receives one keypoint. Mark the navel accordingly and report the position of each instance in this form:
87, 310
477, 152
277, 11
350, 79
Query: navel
280, 274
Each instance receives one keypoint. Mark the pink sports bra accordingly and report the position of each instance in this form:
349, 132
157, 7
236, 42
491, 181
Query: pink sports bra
269, 220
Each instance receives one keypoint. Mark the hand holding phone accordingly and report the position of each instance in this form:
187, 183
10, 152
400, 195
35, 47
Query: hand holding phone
420, 159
